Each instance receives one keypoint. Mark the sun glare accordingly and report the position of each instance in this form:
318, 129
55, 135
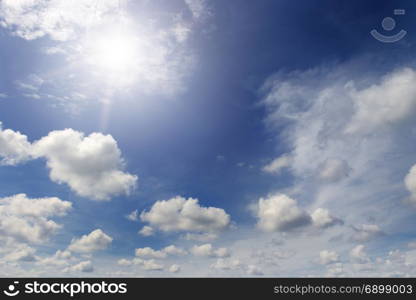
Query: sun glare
116, 53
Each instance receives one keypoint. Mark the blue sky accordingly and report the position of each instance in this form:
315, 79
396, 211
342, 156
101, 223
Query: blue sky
243, 138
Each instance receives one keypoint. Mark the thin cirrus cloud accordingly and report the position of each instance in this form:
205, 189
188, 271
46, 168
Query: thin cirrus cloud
90, 165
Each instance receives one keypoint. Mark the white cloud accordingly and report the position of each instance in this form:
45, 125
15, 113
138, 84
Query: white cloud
334, 170
207, 250
14, 147
410, 182
328, 257
278, 164
280, 213
146, 231
201, 237
226, 264
96, 240
133, 216
366, 232
90, 165
148, 252
198, 8
21, 253
387, 102
254, 270
174, 268
58, 19
358, 254
27, 219
3, 95
60, 258
173, 250
84, 266
152, 265
322, 218
180, 214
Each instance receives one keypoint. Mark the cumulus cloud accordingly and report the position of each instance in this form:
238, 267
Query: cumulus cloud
14, 147
328, 257
22, 253
175, 268
90, 165
96, 240
278, 164
60, 258
148, 252
322, 218
146, 231
280, 213
180, 214
133, 216
207, 250
226, 264
152, 265
27, 219
84, 266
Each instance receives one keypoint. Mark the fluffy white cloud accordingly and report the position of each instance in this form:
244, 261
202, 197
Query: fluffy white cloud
21, 253
278, 164
322, 218
152, 265
146, 231
133, 216
84, 266
60, 258
280, 213
207, 250
387, 102
90, 165
148, 252
26, 219
174, 268
14, 147
226, 264
180, 214
96, 240
328, 257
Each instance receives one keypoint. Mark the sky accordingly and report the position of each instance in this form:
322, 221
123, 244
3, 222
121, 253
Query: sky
198, 138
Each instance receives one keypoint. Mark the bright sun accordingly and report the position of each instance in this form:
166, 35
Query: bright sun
114, 52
